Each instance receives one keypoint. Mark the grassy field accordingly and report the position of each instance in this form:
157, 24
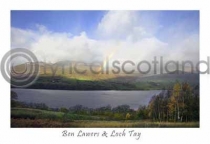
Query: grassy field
24, 117
26, 113
93, 123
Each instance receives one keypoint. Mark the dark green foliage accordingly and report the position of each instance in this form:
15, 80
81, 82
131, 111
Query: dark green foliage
64, 110
142, 112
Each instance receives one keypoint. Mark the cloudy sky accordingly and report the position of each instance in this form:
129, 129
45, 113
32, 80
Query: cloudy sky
93, 35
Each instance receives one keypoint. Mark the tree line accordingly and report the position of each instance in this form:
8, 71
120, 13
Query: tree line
179, 103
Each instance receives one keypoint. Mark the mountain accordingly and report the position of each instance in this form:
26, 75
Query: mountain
62, 75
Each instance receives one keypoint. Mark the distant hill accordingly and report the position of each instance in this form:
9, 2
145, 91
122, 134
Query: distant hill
66, 69
65, 77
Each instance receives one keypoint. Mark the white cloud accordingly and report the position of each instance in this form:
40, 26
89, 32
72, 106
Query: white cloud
120, 31
22, 38
121, 24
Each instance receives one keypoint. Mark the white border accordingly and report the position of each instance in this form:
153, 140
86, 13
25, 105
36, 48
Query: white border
149, 135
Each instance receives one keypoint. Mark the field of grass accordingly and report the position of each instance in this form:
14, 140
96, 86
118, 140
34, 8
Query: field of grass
24, 117
103, 124
27, 113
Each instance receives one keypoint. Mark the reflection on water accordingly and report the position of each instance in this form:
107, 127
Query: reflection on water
91, 99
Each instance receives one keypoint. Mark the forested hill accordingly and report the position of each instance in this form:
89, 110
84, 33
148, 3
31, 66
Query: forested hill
63, 80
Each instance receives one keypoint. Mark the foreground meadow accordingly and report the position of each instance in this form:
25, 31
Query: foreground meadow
24, 117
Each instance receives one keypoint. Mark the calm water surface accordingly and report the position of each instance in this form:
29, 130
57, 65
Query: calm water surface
91, 99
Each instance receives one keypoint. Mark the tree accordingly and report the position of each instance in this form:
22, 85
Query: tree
179, 104
128, 116
65, 110
142, 112
121, 109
